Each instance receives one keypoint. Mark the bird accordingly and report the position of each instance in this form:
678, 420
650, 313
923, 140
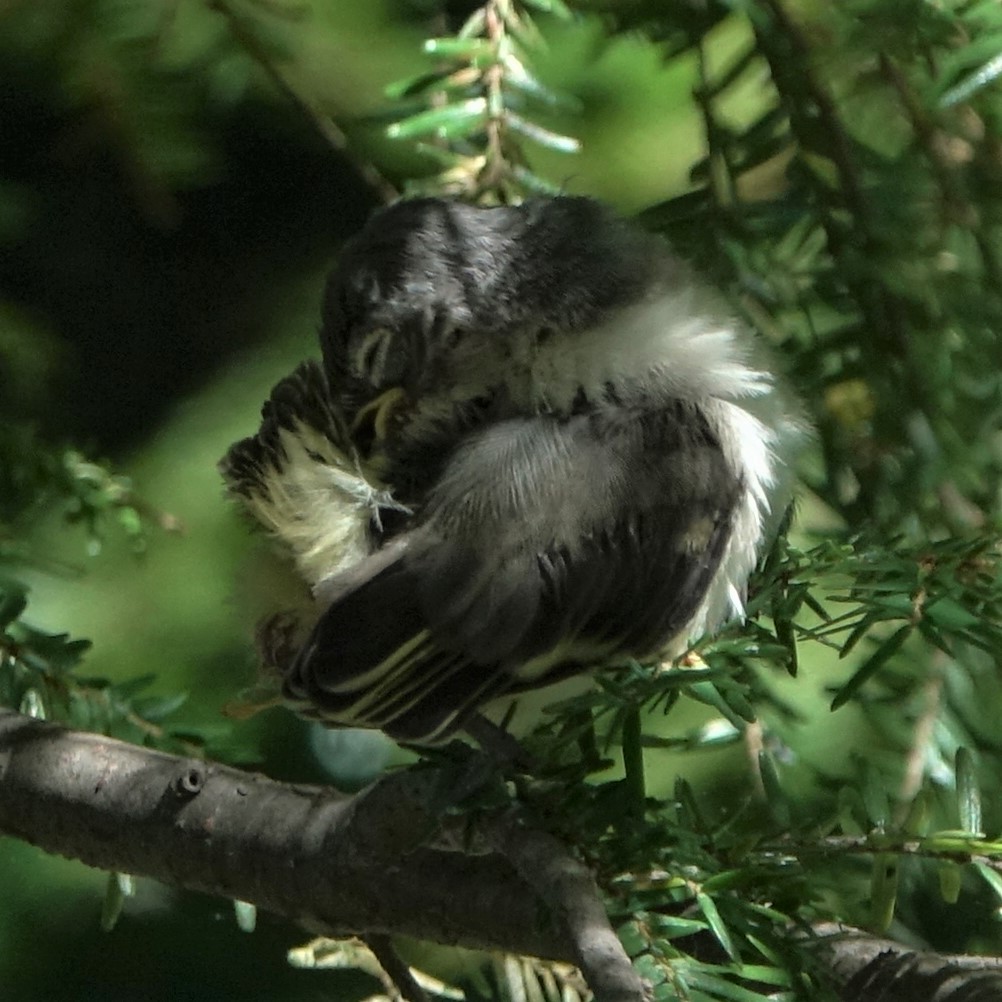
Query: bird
537, 445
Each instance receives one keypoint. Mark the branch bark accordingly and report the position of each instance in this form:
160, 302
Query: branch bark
342, 866
866, 968
335, 865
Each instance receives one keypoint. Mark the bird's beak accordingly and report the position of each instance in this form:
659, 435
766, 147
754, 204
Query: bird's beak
378, 413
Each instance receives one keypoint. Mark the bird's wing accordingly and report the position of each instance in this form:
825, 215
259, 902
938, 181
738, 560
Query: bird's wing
301, 478
546, 544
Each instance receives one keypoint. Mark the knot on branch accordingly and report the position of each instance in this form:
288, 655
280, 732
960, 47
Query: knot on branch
190, 779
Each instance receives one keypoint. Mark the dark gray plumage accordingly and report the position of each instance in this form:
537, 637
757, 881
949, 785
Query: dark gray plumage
575, 430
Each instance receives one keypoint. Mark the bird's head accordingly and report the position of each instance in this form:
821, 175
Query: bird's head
445, 304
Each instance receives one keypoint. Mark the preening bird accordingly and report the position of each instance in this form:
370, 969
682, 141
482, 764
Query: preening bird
536, 446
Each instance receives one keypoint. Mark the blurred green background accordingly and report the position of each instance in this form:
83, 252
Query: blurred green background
167, 217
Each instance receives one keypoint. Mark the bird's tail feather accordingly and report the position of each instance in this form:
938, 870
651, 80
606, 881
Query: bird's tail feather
371, 660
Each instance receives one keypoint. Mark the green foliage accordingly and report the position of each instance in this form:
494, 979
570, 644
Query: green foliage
120, 887
475, 110
847, 196
34, 478
869, 254
38, 669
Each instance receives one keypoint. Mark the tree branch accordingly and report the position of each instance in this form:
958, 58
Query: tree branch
543, 862
361, 865
323, 122
333, 864
865, 968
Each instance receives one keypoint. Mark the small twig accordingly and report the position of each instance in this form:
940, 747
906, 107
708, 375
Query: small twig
962, 849
924, 128
398, 972
720, 172
495, 163
794, 79
841, 148
324, 124
633, 765
754, 746
545, 864
911, 783
944, 167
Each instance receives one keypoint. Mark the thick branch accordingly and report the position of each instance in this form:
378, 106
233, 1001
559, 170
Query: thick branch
333, 864
543, 862
865, 968
351, 865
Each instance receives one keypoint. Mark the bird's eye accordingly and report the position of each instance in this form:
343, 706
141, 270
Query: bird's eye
369, 357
